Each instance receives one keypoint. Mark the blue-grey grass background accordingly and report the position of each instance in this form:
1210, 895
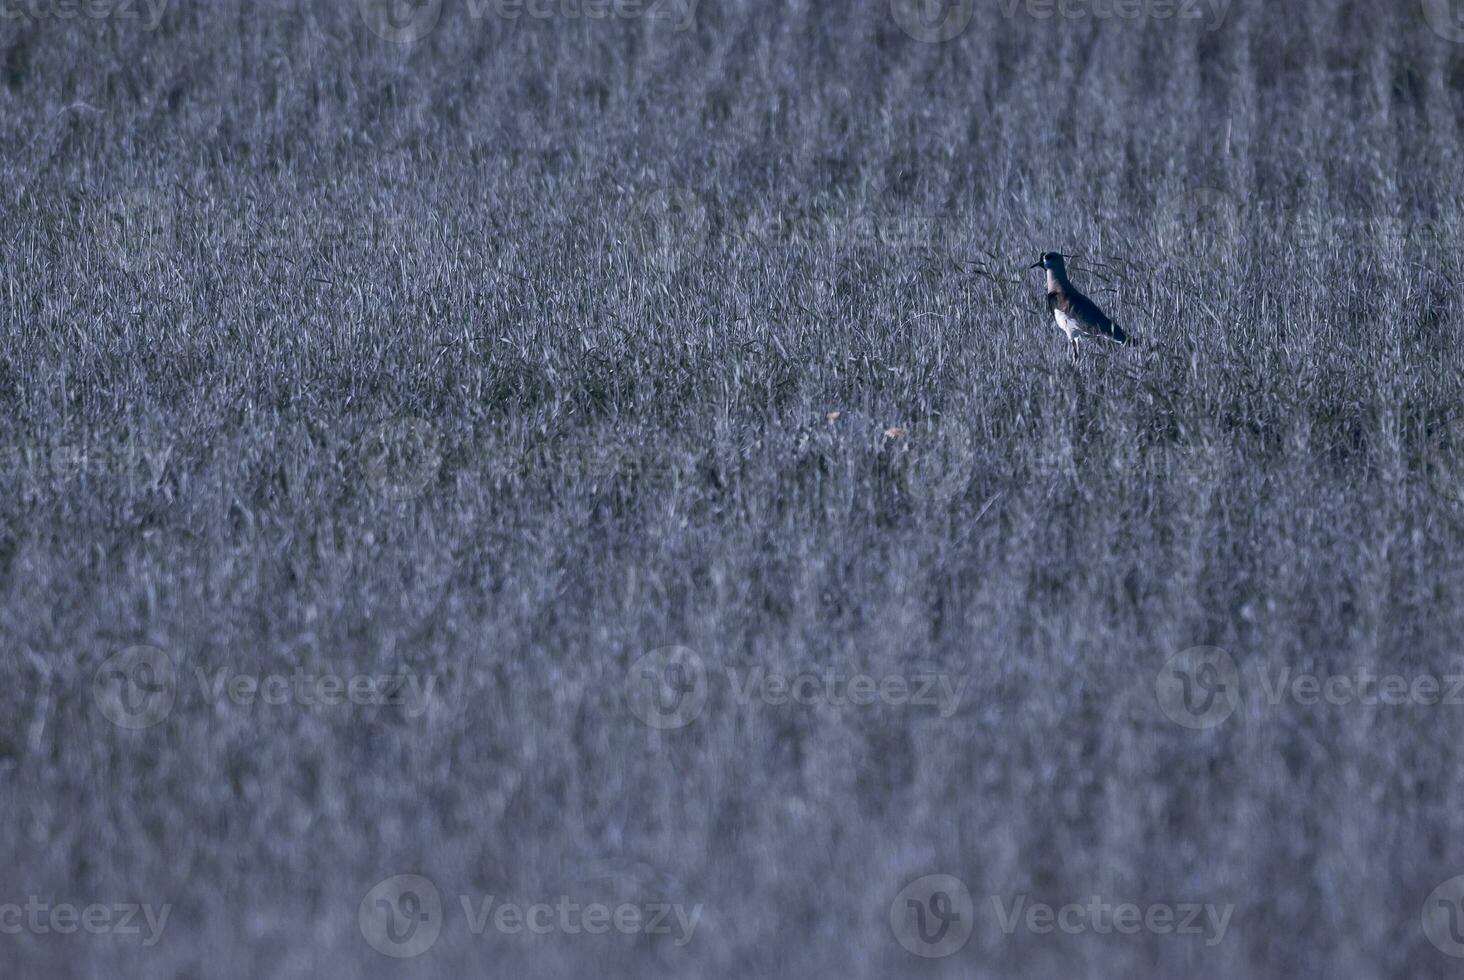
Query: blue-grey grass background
510, 354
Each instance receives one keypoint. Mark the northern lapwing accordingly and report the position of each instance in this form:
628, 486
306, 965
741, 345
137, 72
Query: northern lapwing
1076, 315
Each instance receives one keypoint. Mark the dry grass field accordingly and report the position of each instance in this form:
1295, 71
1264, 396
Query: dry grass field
612, 464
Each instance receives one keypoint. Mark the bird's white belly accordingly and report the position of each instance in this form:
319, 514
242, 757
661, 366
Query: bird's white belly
1067, 324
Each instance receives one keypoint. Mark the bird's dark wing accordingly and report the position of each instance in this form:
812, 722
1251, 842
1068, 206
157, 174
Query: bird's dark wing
1091, 320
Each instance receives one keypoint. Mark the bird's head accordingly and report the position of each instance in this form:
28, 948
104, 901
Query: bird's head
1051, 261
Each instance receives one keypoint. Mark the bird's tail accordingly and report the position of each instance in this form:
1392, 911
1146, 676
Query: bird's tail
1119, 336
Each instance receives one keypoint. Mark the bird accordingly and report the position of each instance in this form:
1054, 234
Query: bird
1076, 315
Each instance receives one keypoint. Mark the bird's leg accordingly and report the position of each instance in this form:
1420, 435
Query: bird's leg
1074, 351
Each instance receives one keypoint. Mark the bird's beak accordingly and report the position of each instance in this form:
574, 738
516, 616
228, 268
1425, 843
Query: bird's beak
1036, 265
